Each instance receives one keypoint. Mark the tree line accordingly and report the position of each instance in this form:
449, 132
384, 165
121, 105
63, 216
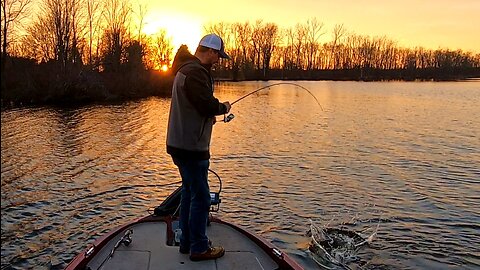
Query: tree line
96, 49
80, 50
97, 34
263, 50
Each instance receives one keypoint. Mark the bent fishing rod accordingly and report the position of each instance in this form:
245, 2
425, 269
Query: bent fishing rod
230, 117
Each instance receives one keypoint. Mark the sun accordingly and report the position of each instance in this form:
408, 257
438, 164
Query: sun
181, 29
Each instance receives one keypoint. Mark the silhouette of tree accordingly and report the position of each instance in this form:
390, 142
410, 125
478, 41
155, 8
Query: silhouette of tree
93, 20
338, 33
13, 12
313, 32
161, 50
61, 17
140, 13
134, 56
116, 15
269, 41
40, 43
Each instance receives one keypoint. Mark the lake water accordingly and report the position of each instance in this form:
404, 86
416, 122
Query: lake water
401, 155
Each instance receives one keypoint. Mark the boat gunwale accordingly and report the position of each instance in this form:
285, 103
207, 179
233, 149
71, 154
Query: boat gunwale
81, 259
282, 259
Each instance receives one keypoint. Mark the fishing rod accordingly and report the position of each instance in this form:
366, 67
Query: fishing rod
231, 116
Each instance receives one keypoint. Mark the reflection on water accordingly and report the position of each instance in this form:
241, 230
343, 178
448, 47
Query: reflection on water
402, 154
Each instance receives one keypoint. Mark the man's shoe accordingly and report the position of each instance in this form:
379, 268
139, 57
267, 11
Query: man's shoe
212, 253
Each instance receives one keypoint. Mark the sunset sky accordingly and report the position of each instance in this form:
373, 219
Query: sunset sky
431, 24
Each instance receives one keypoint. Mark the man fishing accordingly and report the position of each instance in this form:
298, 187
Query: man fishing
192, 116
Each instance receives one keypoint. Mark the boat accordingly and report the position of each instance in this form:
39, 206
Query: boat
152, 242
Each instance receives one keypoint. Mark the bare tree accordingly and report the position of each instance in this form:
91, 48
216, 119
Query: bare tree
13, 11
220, 28
140, 13
93, 21
269, 41
313, 30
39, 43
338, 33
288, 51
60, 19
161, 50
116, 15
236, 48
78, 27
242, 40
299, 41
255, 41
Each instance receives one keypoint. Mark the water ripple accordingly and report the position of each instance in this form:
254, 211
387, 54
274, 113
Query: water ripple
392, 154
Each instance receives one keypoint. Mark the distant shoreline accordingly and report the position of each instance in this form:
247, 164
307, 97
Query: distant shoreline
475, 79
109, 99
31, 84
357, 74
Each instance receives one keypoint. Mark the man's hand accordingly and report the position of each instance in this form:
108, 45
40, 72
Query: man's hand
227, 104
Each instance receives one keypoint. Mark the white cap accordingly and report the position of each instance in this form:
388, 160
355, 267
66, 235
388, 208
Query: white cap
214, 42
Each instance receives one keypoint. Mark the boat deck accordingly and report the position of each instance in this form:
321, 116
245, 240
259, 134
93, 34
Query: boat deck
149, 250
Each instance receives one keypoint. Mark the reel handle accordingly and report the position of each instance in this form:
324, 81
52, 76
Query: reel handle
228, 118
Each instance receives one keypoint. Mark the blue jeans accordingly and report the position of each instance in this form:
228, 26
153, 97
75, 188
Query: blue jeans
195, 203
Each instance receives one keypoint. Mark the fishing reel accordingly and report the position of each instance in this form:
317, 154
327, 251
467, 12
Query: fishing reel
215, 196
228, 118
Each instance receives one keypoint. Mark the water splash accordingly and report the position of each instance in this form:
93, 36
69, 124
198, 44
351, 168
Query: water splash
334, 247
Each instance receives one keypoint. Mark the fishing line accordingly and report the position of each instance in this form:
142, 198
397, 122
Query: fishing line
231, 116
275, 84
